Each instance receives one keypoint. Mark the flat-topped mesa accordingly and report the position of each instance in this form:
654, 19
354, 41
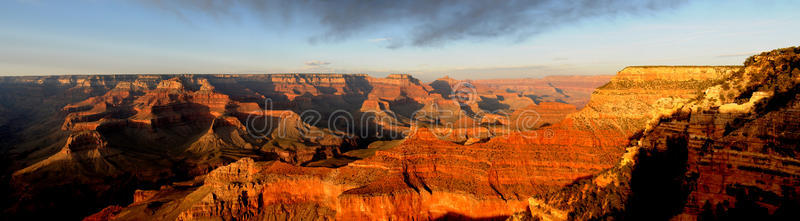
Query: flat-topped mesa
130, 86
313, 79
299, 84
397, 79
674, 73
396, 86
87, 83
400, 77
148, 81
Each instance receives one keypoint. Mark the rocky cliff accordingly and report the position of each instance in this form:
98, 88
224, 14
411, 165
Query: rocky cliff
729, 153
637, 94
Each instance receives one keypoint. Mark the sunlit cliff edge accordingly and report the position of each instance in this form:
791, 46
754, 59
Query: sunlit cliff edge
729, 153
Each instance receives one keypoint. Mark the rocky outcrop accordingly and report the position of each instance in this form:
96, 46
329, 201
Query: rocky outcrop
729, 154
638, 94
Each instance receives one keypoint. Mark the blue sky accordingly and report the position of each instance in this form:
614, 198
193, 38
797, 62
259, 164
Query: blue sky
41, 37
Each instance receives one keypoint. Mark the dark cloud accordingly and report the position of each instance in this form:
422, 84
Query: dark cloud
425, 22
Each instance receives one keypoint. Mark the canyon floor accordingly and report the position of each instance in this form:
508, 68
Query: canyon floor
652, 142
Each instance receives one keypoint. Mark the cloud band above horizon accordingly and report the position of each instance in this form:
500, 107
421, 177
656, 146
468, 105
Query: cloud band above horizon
420, 23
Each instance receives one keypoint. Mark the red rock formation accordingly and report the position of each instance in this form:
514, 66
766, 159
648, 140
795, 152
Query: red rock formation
143, 132
729, 154
129, 132
742, 159
424, 177
627, 102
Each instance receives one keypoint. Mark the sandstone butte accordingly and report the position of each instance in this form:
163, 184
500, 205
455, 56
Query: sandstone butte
425, 177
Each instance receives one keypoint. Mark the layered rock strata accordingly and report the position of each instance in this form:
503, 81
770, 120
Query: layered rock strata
103, 136
426, 176
729, 154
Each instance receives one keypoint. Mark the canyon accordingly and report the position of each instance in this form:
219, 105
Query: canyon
76, 144
652, 142
425, 176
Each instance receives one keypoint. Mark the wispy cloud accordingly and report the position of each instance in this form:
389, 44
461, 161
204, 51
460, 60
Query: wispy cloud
316, 63
379, 39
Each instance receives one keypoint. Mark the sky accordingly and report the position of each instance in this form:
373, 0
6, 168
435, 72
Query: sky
471, 39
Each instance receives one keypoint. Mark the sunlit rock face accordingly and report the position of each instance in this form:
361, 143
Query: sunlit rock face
730, 153
742, 156
637, 94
